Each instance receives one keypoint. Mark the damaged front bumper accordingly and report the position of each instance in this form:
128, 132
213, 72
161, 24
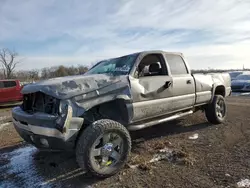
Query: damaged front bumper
47, 131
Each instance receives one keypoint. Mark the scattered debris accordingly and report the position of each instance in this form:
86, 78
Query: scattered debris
169, 154
144, 166
194, 136
3, 118
244, 183
5, 124
120, 178
133, 166
162, 144
165, 153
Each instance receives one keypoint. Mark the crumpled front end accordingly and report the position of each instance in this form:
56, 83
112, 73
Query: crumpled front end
49, 111
42, 122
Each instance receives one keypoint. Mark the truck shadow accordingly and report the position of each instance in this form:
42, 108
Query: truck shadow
166, 129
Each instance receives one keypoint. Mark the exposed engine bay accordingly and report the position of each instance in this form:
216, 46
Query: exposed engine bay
40, 102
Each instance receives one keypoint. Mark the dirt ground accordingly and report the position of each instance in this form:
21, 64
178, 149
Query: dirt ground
198, 154
8, 135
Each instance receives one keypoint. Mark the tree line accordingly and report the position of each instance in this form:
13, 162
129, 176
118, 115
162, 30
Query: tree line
45, 73
204, 71
9, 60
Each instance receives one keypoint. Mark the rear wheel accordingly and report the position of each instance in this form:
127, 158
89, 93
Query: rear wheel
217, 110
103, 148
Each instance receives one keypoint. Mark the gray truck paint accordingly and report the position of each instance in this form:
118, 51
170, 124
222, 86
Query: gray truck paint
144, 97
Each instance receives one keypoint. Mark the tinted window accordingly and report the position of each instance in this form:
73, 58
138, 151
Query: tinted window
1, 85
152, 65
6, 84
176, 64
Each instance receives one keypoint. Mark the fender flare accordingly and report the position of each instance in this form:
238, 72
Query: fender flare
214, 86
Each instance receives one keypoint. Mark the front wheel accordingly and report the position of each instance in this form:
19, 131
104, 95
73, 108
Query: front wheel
217, 110
103, 148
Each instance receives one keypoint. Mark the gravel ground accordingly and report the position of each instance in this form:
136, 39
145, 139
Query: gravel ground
8, 135
191, 153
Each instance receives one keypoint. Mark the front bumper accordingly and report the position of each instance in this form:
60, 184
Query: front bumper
41, 130
53, 143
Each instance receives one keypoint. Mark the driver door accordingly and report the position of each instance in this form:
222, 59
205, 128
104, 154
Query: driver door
152, 91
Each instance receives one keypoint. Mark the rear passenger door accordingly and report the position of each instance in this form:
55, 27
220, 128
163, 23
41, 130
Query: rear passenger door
183, 86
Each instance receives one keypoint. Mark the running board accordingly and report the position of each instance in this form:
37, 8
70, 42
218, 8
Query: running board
135, 127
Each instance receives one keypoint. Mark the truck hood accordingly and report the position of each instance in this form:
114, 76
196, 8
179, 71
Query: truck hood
70, 86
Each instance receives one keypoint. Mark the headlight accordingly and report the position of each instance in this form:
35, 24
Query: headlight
63, 107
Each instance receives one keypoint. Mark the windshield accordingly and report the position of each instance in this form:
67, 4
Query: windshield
234, 74
116, 66
243, 77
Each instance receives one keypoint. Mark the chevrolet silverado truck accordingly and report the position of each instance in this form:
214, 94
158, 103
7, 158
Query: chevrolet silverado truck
92, 114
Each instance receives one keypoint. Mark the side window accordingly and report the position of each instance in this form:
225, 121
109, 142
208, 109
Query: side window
9, 84
1, 85
152, 65
176, 64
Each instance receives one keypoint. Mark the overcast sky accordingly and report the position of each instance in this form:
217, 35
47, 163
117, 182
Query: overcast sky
210, 33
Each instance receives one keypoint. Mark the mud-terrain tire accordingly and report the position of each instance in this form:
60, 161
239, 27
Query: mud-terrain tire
91, 135
216, 111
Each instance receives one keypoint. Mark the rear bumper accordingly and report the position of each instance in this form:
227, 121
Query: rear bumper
47, 131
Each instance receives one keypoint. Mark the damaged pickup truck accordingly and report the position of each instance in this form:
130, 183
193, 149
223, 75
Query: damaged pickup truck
93, 113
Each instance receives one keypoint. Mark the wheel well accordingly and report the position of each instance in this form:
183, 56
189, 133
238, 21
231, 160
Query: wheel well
220, 90
116, 110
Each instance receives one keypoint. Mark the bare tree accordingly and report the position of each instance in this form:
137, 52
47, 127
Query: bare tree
45, 73
33, 75
61, 71
8, 59
82, 69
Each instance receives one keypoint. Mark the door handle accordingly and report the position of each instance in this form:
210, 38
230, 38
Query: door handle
167, 84
189, 82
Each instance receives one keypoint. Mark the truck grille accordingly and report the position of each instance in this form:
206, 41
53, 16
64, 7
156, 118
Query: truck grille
237, 87
40, 102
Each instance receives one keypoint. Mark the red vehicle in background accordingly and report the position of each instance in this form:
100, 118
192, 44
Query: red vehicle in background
10, 91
